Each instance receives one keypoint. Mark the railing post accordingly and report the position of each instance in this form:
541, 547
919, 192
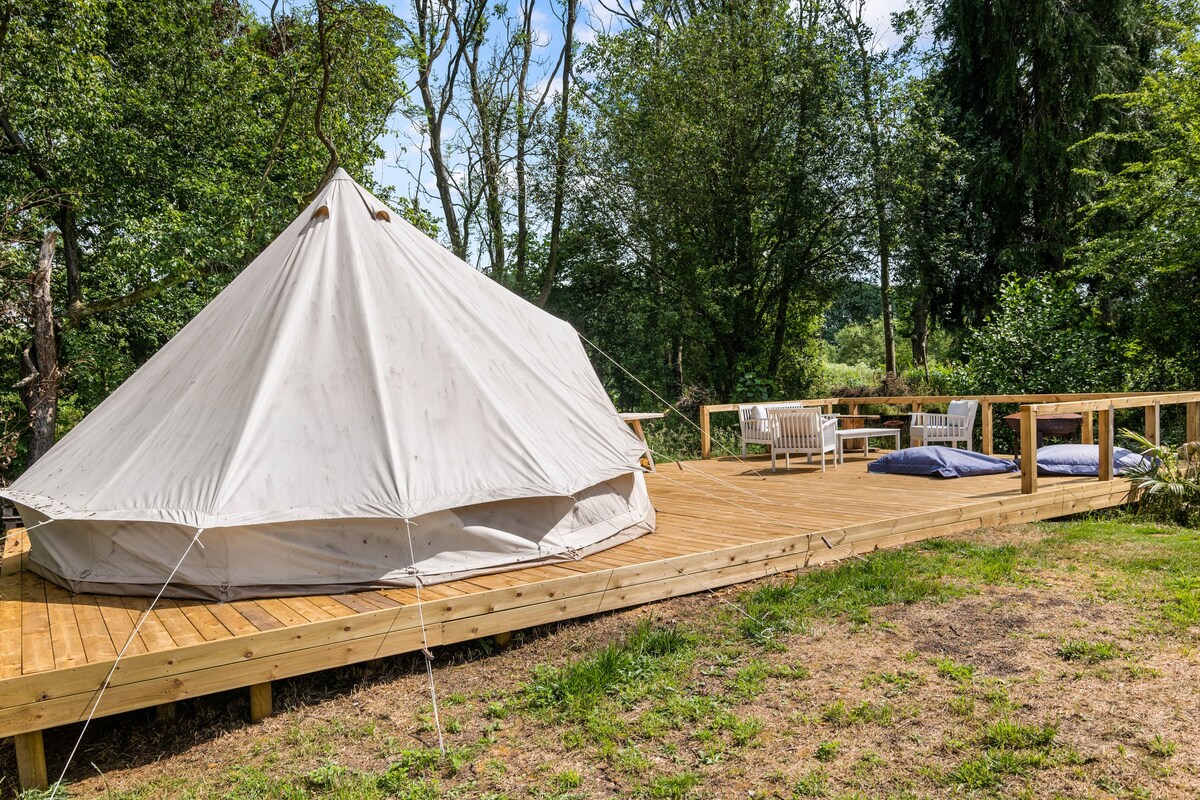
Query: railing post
1088, 435
1152, 422
1193, 422
1029, 476
1106, 443
985, 408
705, 433
916, 407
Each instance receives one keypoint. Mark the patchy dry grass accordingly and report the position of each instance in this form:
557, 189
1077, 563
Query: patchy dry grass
1048, 661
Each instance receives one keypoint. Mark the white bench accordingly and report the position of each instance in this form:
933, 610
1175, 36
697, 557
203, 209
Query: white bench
865, 434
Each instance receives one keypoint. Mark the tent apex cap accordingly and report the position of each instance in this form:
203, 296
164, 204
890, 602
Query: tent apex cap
341, 175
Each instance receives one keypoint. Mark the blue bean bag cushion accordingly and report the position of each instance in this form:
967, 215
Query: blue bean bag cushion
1083, 459
944, 462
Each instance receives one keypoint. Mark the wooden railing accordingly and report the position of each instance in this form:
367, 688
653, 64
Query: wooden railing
1090, 403
1105, 409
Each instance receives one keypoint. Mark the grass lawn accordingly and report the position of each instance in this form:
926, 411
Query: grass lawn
1043, 661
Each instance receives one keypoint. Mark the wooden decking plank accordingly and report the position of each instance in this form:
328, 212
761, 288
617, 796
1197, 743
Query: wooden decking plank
203, 620
330, 606
97, 642
120, 626
64, 630
152, 632
282, 612
176, 622
232, 619
37, 648
257, 615
307, 609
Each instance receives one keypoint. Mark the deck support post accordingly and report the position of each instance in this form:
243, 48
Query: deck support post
1088, 434
1106, 443
31, 761
260, 701
705, 433
987, 434
165, 712
1193, 422
1029, 476
1153, 423
502, 639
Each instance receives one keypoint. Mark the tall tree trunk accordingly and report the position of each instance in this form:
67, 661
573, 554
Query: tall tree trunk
560, 156
490, 122
433, 33
920, 326
882, 226
523, 125
39, 386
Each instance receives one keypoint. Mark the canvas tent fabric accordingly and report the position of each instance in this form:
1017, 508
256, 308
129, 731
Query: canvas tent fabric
355, 384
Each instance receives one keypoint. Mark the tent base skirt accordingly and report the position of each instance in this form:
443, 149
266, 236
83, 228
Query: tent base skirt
225, 594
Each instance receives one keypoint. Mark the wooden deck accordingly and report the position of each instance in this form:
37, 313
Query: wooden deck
719, 522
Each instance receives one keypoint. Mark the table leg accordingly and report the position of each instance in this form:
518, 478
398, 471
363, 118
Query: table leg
649, 457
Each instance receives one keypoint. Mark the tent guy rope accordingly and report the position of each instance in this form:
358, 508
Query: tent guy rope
108, 678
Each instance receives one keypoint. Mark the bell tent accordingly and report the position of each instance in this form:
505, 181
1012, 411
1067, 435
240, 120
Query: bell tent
358, 408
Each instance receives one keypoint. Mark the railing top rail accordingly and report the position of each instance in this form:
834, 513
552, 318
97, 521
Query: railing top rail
1124, 401
1061, 397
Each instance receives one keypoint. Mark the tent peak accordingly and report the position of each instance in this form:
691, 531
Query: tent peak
341, 175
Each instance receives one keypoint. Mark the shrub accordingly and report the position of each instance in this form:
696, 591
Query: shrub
1168, 485
1037, 342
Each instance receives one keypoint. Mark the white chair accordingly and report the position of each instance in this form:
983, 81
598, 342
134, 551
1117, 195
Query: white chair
956, 425
803, 431
753, 419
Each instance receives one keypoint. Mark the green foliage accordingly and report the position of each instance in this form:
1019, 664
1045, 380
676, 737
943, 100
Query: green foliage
827, 751
1160, 747
713, 159
1087, 652
1140, 231
1168, 481
1037, 342
960, 673
575, 689
169, 144
849, 589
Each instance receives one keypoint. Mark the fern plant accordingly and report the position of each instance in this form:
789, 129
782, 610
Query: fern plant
1167, 481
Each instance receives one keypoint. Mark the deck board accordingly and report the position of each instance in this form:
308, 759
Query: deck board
719, 522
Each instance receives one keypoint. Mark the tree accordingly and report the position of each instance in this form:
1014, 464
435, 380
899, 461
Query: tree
1021, 81
875, 73
716, 157
1038, 340
168, 144
1139, 252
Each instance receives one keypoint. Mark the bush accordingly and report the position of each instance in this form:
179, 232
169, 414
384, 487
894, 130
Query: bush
1037, 342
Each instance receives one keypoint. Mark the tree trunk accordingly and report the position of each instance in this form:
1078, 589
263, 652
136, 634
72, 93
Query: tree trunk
560, 157
920, 334
883, 231
523, 125
39, 386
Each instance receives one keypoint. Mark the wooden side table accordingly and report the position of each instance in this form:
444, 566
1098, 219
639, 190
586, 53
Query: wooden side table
635, 419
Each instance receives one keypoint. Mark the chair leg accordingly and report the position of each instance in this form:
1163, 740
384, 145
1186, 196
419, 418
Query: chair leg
772, 460
744, 451
822, 461
787, 458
